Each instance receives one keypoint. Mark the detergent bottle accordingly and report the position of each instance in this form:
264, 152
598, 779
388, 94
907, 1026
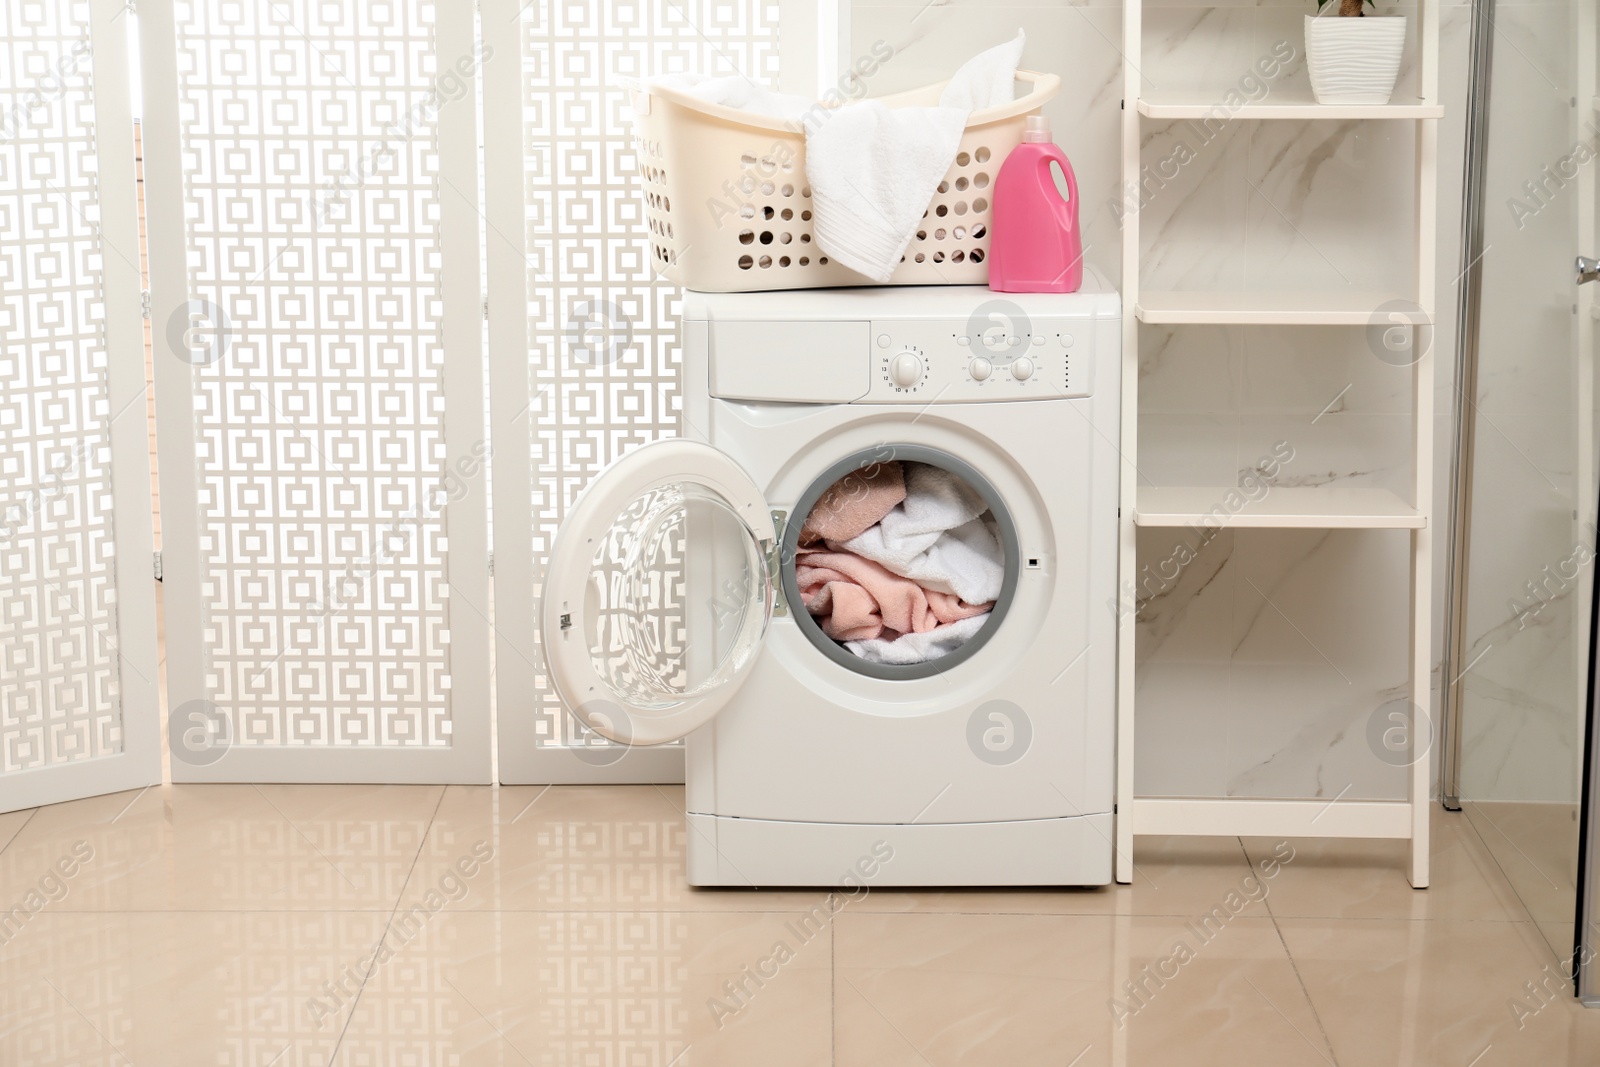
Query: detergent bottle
1034, 245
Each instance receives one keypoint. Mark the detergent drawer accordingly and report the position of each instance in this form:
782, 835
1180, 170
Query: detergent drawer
794, 362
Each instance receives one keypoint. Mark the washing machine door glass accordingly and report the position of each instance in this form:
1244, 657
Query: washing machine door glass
658, 594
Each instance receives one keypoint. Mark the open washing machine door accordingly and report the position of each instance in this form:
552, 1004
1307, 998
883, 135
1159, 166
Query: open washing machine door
658, 594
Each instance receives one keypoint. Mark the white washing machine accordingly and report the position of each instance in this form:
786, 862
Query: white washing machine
671, 608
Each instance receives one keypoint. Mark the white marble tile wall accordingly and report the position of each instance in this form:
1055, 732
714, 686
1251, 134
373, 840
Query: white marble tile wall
1263, 661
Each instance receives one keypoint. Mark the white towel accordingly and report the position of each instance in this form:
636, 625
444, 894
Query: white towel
919, 648
967, 561
936, 501
873, 169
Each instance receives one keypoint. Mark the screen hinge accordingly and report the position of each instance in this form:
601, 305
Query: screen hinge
144, 302
485, 309
780, 606
491, 564
156, 564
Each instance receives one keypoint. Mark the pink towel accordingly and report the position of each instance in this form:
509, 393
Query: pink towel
854, 503
855, 599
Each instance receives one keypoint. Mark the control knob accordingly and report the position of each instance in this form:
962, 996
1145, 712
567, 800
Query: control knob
905, 370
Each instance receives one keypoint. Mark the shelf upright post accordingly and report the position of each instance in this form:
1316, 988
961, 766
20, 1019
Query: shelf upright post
1128, 556
1423, 731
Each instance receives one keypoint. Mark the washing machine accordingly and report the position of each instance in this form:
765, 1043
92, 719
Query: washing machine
672, 609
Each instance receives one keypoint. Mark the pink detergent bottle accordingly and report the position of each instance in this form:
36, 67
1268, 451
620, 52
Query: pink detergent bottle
1035, 246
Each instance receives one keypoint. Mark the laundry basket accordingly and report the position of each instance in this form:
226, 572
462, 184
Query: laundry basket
729, 208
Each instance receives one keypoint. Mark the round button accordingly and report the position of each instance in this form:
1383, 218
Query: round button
1014, 341
980, 369
883, 340
1022, 368
1038, 339
1066, 340
905, 370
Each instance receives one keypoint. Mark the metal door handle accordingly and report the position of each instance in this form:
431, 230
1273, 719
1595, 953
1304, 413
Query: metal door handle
1588, 269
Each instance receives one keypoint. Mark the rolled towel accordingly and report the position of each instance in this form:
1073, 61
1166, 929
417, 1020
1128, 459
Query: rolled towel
855, 599
854, 503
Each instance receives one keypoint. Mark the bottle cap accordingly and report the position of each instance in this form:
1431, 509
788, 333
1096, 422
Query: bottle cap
1037, 129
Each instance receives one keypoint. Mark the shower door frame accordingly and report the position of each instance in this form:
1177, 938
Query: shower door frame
1585, 970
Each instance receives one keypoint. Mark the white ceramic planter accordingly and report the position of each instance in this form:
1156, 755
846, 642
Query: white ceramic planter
1354, 60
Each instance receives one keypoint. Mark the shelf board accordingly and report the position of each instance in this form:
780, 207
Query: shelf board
1257, 308
1305, 507
1280, 104
1251, 817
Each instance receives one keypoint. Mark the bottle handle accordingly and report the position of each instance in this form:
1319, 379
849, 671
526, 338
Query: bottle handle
1067, 209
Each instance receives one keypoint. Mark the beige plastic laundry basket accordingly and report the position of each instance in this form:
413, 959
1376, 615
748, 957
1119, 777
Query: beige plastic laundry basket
729, 209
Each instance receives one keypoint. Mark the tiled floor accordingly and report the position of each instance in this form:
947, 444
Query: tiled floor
370, 925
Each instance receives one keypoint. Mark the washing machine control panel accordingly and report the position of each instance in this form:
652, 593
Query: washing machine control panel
981, 359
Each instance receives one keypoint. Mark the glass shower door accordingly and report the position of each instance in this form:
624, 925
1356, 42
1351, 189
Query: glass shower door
1527, 493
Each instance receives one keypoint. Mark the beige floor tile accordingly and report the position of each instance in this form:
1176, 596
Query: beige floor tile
1236, 1001
566, 848
10, 823
1367, 879
1438, 992
1536, 845
930, 988
1559, 937
229, 924
614, 987
1183, 876
177, 988
226, 847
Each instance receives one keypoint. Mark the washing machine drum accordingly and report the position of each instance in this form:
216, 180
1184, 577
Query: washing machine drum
900, 562
664, 576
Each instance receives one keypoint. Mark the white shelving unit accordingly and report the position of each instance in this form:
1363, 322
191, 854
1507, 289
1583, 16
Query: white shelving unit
1303, 508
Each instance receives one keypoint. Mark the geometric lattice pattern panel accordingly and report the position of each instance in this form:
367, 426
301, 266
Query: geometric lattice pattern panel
603, 331
312, 186
59, 681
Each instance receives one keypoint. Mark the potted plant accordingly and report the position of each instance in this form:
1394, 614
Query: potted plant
1353, 59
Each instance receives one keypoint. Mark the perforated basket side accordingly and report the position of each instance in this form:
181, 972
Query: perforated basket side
657, 200
954, 234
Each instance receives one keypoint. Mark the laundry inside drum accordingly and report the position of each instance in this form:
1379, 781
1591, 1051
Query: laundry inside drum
901, 562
